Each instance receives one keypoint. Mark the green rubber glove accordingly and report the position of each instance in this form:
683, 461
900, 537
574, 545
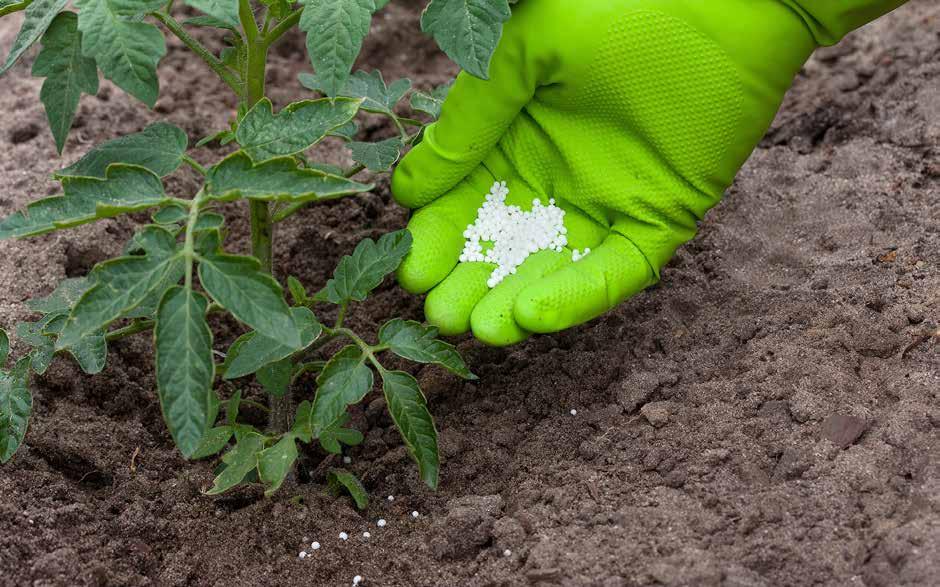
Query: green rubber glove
635, 115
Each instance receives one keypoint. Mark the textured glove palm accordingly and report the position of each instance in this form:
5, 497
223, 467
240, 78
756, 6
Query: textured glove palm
635, 115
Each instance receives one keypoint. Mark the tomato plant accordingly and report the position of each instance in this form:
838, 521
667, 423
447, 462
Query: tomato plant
175, 271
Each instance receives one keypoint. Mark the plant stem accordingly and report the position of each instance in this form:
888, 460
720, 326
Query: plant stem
282, 27
194, 164
199, 49
138, 326
262, 235
189, 244
247, 18
341, 315
262, 226
130, 329
367, 349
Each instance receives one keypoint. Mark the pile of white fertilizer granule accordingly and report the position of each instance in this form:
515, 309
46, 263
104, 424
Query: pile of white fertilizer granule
513, 233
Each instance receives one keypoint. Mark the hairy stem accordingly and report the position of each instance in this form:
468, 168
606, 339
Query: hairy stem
341, 315
282, 27
189, 244
129, 330
199, 49
367, 349
247, 18
141, 325
194, 164
262, 226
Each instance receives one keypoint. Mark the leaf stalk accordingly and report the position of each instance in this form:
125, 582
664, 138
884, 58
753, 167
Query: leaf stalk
199, 49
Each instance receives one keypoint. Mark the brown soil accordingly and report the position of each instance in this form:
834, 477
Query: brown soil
768, 415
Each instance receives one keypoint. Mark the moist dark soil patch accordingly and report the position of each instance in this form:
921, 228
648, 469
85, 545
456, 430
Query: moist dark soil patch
767, 415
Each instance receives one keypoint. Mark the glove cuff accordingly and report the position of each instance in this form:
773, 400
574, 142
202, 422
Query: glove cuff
830, 20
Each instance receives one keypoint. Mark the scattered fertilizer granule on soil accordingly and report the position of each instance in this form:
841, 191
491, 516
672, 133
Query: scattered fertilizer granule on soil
512, 234
381, 523
366, 535
574, 412
343, 536
415, 515
357, 579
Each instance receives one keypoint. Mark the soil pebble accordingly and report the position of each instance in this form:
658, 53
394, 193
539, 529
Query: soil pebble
656, 413
843, 430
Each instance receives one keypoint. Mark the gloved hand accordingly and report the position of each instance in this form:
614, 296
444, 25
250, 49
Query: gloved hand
635, 115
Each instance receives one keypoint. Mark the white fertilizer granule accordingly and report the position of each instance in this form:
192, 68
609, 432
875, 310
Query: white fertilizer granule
513, 233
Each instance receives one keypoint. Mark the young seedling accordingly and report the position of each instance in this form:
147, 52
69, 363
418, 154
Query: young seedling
175, 271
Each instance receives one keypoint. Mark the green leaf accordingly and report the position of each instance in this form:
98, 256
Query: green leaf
370, 87
209, 221
185, 368
276, 462
299, 126
301, 428
380, 4
340, 479
344, 381
335, 30
467, 30
43, 346
414, 341
68, 74
126, 50
231, 408
238, 285
233, 352
239, 462
4, 346
346, 132
126, 189
275, 377
278, 179
297, 290
16, 405
159, 148
122, 284
256, 350
430, 103
360, 273
331, 436
36, 19
90, 352
213, 441
378, 156
65, 295
173, 214
409, 410
224, 11
214, 405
